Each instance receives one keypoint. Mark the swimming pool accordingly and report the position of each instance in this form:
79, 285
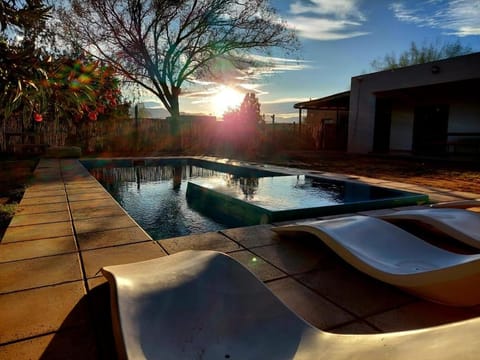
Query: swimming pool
171, 197
153, 192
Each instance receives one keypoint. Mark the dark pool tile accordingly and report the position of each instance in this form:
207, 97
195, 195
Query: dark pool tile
420, 314
207, 241
252, 236
307, 304
41, 311
36, 248
351, 289
263, 270
115, 237
31, 273
94, 260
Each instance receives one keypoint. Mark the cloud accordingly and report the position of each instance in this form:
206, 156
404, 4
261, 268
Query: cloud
284, 101
455, 17
327, 19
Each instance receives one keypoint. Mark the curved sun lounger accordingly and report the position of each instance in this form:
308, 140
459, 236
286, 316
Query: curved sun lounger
459, 224
458, 204
392, 255
205, 305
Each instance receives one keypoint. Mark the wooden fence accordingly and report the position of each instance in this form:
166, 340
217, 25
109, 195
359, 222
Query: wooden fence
130, 136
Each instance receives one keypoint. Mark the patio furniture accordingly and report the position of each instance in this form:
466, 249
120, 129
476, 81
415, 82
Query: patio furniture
462, 225
205, 305
458, 204
393, 255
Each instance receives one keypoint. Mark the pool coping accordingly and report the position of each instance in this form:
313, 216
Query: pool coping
67, 227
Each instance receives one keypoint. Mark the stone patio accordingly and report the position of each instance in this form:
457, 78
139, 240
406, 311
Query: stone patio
54, 302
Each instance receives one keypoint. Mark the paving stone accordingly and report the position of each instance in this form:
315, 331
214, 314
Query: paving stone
80, 187
310, 306
95, 240
74, 344
43, 200
31, 273
92, 195
40, 311
41, 209
291, 258
99, 297
39, 231
46, 187
43, 192
94, 260
419, 315
252, 236
263, 270
349, 288
82, 214
206, 241
86, 188
92, 204
36, 248
45, 218
105, 223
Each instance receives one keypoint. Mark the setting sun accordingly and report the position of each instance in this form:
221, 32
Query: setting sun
226, 99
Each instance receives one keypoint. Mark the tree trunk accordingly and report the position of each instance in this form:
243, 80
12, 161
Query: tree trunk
175, 130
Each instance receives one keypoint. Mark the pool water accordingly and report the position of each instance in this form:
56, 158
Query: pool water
177, 197
155, 196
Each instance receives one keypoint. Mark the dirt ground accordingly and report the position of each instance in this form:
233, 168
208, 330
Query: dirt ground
453, 175
461, 176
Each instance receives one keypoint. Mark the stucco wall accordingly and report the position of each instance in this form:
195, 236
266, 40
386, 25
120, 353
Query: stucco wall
364, 88
401, 129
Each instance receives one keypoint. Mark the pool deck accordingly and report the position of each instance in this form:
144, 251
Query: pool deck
54, 301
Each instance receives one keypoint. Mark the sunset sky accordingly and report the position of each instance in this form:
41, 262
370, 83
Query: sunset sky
339, 39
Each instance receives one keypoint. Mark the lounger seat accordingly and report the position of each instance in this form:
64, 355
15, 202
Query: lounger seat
205, 305
458, 204
392, 255
459, 224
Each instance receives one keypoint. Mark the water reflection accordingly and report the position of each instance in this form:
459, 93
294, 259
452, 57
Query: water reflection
155, 196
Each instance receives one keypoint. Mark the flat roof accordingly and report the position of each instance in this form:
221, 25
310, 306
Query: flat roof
339, 101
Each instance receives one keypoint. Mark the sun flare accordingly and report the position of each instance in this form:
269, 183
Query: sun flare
225, 99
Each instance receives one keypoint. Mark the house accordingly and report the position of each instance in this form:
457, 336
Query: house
327, 119
427, 109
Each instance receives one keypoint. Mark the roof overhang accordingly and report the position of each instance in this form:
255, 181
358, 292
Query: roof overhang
340, 101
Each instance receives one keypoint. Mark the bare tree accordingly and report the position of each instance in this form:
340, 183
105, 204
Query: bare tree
163, 44
420, 55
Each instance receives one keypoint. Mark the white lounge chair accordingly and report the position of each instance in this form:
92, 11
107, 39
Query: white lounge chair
205, 305
458, 204
462, 225
390, 254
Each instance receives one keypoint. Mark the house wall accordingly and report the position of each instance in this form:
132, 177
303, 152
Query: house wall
401, 130
464, 117
365, 87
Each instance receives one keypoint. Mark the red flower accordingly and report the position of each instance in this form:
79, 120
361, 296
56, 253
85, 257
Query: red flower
101, 109
37, 117
92, 115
